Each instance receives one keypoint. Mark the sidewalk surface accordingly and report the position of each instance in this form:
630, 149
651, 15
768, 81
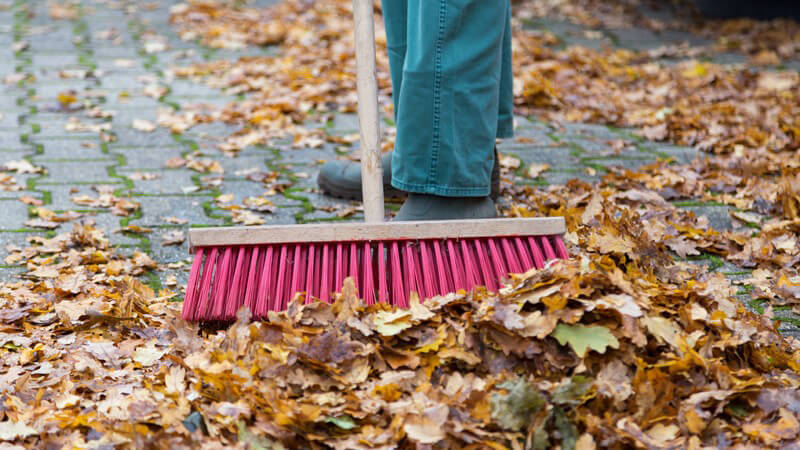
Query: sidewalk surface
108, 55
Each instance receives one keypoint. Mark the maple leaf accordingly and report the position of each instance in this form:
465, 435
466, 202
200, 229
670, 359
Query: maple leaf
582, 338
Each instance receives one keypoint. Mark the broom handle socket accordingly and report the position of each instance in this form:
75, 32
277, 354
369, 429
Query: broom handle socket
368, 115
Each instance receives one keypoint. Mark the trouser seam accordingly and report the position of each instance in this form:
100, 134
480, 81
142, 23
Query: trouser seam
437, 94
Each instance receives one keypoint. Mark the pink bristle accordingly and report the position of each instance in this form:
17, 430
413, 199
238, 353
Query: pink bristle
499, 265
235, 298
398, 287
368, 279
204, 302
283, 274
298, 270
221, 281
310, 275
428, 271
538, 258
413, 276
471, 273
316, 282
457, 265
190, 300
442, 269
484, 266
264, 294
524, 254
548, 249
561, 249
326, 274
383, 274
236, 292
340, 267
251, 291
513, 260
353, 266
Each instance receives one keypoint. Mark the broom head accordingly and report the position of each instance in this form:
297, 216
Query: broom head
265, 267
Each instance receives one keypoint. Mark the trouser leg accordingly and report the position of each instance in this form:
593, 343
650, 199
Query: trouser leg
449, 110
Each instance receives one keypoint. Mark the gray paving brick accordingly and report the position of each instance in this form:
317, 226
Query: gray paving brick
86, 171
14, 214
557, 157
168, 182
126, 135
72, 149
50, 60
182, 206
718, 216
10, 140
61, 196
141, 157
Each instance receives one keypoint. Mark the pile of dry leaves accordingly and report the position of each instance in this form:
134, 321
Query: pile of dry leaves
616, 347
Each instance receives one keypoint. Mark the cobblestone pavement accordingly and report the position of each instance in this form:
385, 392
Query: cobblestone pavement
33, 128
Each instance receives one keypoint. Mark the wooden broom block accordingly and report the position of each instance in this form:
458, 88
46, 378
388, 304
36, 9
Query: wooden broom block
387, 231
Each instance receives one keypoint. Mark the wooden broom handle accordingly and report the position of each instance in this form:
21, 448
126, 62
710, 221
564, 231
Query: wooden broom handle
368, 116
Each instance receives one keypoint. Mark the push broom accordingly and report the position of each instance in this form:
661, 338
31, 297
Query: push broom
265, 267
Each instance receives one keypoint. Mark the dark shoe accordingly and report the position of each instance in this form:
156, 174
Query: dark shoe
343, 178
433, 207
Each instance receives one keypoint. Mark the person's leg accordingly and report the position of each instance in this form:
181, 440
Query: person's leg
448, 112
395, 18
505, 118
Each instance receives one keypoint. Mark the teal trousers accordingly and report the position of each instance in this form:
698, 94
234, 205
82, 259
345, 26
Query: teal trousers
453, 95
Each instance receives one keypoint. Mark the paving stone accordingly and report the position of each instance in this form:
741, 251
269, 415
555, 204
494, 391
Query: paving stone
16, 239
104, 52
84, 171
15, 213
114, 81
10, 118
181, 206
124, 116
10, 275
302, 157
569, 33
283, 216
51, 90
168, 181
233, 165
116, 102
216, 101
57, 129
718, 216
10, 140
216, 131
72, 149
55, 40
61, 196
54, 60
168, 253
243, 189
566, 130
682, 155
186, 88
559, 158
144, 157
627, 163
127, 135
553, 177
